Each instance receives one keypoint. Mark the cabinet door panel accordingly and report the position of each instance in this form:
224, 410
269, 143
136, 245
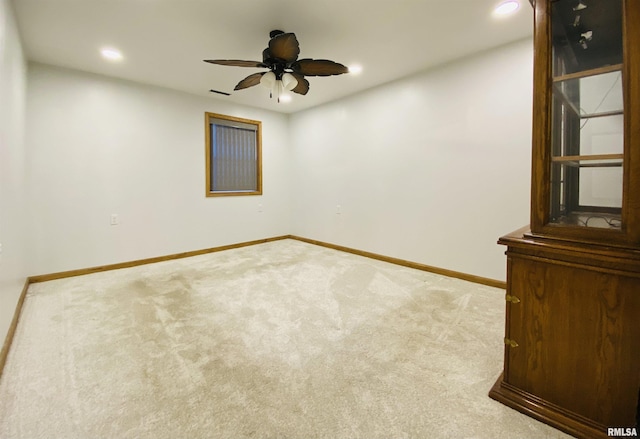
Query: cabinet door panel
578, 339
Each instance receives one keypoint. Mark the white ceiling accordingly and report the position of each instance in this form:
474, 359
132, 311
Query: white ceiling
165, 41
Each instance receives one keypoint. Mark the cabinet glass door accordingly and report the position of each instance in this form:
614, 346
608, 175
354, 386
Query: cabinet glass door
587, 117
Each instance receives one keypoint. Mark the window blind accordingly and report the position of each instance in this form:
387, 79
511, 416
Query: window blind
234, 157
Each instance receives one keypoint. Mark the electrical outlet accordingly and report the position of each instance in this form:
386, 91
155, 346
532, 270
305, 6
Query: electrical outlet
0, 248
114, 219
259, 207
338, 209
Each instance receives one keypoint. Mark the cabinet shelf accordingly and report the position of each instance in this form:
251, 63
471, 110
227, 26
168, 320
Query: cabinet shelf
590, 161
603, 220
587, 73
603, 114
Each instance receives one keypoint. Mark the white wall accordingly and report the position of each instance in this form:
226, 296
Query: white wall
13, 206
98, 146
431, 169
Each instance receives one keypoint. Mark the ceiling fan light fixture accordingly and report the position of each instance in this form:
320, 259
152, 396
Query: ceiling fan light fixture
268, 80
289, 82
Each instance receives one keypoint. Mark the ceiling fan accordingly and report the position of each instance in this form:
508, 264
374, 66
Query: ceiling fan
286, 71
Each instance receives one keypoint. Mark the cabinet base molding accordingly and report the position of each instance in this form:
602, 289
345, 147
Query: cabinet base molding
546, 412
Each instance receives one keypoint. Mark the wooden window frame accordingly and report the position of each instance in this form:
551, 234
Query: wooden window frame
208, 149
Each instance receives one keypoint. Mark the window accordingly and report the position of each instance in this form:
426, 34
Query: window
234, 155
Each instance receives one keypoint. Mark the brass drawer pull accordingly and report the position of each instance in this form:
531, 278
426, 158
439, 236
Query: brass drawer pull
512, 299
511, 343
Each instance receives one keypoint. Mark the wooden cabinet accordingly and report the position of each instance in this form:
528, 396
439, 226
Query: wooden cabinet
572, 336
572, 339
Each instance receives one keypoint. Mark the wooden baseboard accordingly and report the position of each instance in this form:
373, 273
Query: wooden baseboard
83, 271
404, 263
397, 261
4, 353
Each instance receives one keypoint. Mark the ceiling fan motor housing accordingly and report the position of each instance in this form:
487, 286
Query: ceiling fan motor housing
275, 33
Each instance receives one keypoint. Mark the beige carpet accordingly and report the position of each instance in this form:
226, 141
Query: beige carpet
278, 340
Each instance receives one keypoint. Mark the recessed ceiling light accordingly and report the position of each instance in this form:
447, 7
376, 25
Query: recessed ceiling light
506, 8
355, 69
111, 54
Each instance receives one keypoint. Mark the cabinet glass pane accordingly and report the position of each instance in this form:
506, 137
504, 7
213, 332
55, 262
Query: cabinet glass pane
586, 35
602, 135
596, 95
587, 122
601, 187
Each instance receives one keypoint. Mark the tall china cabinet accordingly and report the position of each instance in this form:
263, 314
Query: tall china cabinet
572, 336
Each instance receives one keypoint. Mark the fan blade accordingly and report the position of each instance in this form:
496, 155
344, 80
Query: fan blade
235, 62
318, 67
250, 81
284, 47
303, 85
